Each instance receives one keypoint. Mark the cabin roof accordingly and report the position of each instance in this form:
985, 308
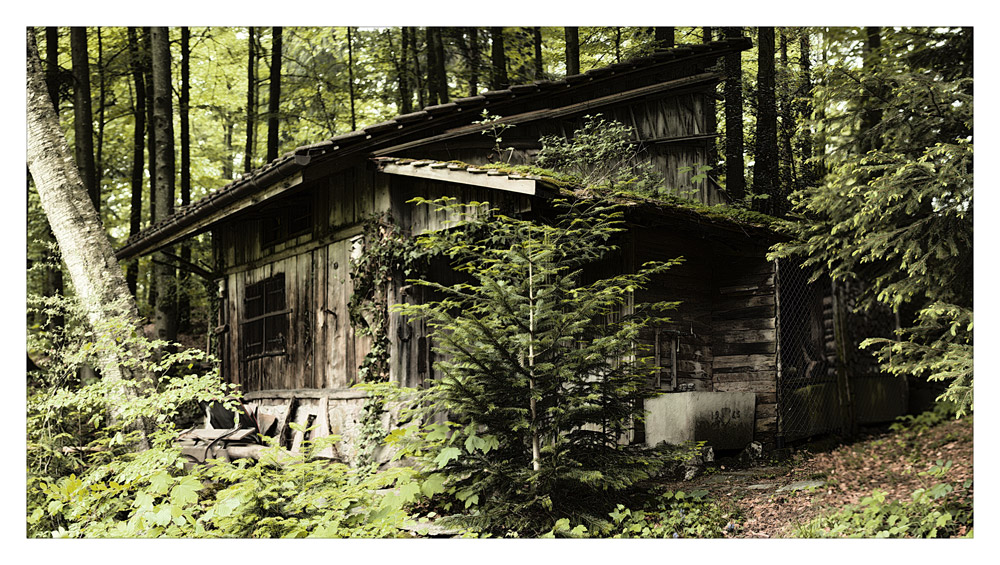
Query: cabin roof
535, 181
517, 104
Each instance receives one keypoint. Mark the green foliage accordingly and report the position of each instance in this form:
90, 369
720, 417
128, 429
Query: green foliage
666, 515
935, 512
493, 127
925, 420
602, 155
151, 495
896, 210
386, 252
85, 480
540, 376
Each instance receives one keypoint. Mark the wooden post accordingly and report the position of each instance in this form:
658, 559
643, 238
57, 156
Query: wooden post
848, 424
778, 376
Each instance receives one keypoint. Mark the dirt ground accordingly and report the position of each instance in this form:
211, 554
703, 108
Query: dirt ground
771, 498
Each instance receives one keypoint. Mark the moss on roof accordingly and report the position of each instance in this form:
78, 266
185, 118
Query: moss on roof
571, 186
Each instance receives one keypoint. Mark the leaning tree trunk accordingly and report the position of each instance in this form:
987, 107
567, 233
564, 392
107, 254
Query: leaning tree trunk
98, 280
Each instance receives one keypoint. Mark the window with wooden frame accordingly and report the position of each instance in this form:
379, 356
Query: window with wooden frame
287, 220
265, 318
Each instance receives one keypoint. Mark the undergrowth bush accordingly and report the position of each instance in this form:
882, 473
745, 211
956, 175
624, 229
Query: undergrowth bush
85, 477
941, 511
664, 515
941, 508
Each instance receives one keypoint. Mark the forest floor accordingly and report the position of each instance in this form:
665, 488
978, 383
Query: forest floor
772, 498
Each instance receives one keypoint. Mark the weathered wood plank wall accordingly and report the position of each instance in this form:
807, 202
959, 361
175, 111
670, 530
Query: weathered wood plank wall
674, 133
745, 338
691, 322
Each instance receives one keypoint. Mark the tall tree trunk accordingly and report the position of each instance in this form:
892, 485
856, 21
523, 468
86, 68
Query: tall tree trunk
147, 58
618, 45
438, 68
101, 100
664, 37
52, 78
572, 51
809, 175
83, 119
498, 79
765, 170
227, 164
350, 78
433, 88
402, 72
251, 101
274, 100
735, 179
786, 124
165, 321
473, 61
539, 65
421, 97
871, 115
90, 260
711, 114
183, 107
138, 158
53, 274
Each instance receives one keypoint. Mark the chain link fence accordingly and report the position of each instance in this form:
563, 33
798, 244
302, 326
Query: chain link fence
825, 384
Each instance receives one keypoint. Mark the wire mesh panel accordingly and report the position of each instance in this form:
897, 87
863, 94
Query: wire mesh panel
808, 402
812, 397
875, 396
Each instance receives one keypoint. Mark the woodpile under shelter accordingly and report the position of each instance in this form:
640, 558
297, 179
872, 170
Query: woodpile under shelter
750, 354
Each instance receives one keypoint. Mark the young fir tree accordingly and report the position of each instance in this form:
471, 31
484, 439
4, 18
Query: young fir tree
540, 376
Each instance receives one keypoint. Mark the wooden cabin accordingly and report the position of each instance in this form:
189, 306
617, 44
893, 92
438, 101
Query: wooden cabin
284, 236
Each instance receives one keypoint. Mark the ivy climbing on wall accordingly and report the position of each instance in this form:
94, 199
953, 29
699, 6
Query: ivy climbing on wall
387, 254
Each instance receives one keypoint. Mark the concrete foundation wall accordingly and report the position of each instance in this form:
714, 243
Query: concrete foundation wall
725, 420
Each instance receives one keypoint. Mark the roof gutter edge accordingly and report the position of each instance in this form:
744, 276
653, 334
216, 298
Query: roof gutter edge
160, 236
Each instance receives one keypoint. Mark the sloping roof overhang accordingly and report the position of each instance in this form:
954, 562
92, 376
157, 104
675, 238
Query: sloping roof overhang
521, 102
